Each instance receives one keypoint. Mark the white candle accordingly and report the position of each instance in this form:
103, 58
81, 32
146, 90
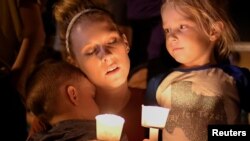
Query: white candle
109, 127
153, 134
154, 116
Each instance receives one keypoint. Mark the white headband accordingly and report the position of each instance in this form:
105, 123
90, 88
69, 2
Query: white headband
73, 20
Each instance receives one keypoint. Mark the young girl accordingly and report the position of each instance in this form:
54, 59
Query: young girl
201, 91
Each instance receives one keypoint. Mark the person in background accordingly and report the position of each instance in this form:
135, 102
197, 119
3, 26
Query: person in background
200, 37
22, 37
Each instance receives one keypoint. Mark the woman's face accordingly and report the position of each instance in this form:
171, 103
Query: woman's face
101, 53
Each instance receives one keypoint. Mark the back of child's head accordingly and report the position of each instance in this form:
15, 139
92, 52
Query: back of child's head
69, 13
205, 13
43, 86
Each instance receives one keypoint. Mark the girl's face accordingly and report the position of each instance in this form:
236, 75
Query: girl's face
185, 42
101, 53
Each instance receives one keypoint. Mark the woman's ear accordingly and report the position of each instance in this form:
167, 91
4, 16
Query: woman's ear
125, 40
71, 61
216, 31
72, 94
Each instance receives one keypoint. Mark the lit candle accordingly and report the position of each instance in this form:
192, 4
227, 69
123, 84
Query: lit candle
154, 117
109, 127
153, 134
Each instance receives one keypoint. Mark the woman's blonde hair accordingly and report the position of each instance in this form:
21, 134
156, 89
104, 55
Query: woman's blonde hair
71, 12
205, 13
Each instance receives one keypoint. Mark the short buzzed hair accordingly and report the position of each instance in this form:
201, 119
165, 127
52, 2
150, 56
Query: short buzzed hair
43, 85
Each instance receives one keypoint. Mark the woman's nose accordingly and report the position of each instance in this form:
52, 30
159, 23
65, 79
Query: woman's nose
104, 54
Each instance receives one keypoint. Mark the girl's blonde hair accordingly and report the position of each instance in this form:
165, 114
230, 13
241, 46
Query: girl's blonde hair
205, 13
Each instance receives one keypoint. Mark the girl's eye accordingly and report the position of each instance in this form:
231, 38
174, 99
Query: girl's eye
183, 27
167, 30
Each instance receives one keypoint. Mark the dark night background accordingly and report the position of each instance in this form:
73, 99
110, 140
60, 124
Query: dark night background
239, 11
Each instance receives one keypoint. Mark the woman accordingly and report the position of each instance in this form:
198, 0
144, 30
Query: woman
93, 43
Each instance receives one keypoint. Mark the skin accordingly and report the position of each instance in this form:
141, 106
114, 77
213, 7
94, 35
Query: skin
79, 95
86, 93
102, 54
184, 41
192, 48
